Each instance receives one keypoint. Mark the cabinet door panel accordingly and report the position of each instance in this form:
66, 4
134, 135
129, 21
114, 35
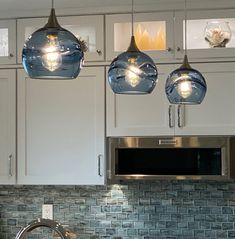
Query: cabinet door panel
7, 41
139, 115
61, 129
216, 114
7, 126
198, 47
153, 34
91, 30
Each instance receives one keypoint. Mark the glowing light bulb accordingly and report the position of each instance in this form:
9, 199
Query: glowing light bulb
185, 87
132, 73
52, 58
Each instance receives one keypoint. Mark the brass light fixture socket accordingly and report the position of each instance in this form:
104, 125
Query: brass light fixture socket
52, 20
185, 64
133, 47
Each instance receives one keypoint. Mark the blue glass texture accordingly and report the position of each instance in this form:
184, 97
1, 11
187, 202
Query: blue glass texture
67, 66
132, 73
195, 89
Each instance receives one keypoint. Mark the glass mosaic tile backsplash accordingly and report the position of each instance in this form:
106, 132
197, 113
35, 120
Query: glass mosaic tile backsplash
134, 210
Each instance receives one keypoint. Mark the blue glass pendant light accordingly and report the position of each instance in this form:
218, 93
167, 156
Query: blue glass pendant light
132, 72
185, 85
52, 52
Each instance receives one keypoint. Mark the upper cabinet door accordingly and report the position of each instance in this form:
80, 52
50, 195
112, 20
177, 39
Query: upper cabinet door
87, 28
61, 129
7, 42
7, 126
210, 34
153, 33
91, 30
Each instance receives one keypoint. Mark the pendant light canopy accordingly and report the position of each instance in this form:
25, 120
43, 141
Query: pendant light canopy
185, 85
132, 72
52, 52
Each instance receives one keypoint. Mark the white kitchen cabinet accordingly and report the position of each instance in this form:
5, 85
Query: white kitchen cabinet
153, 34
198, 47
7, 41
7, 126
151, 115
61, 129
88, 28
140, 115
216, 114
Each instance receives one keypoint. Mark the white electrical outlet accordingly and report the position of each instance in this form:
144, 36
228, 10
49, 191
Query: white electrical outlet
47, 211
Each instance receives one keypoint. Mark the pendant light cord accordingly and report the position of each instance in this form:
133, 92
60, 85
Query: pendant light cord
132, 17
185, 27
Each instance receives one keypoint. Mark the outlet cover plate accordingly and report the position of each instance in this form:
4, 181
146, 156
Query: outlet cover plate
47, 211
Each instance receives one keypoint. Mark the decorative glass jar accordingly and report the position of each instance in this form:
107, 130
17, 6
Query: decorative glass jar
217, 33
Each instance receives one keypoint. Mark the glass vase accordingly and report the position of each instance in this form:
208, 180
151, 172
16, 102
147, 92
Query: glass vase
217, 33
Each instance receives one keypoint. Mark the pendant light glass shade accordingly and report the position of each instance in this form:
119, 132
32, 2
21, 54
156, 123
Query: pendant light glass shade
52, 52
185, 85
132, 72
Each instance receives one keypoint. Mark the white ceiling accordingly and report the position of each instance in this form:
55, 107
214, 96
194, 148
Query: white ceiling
31, 8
